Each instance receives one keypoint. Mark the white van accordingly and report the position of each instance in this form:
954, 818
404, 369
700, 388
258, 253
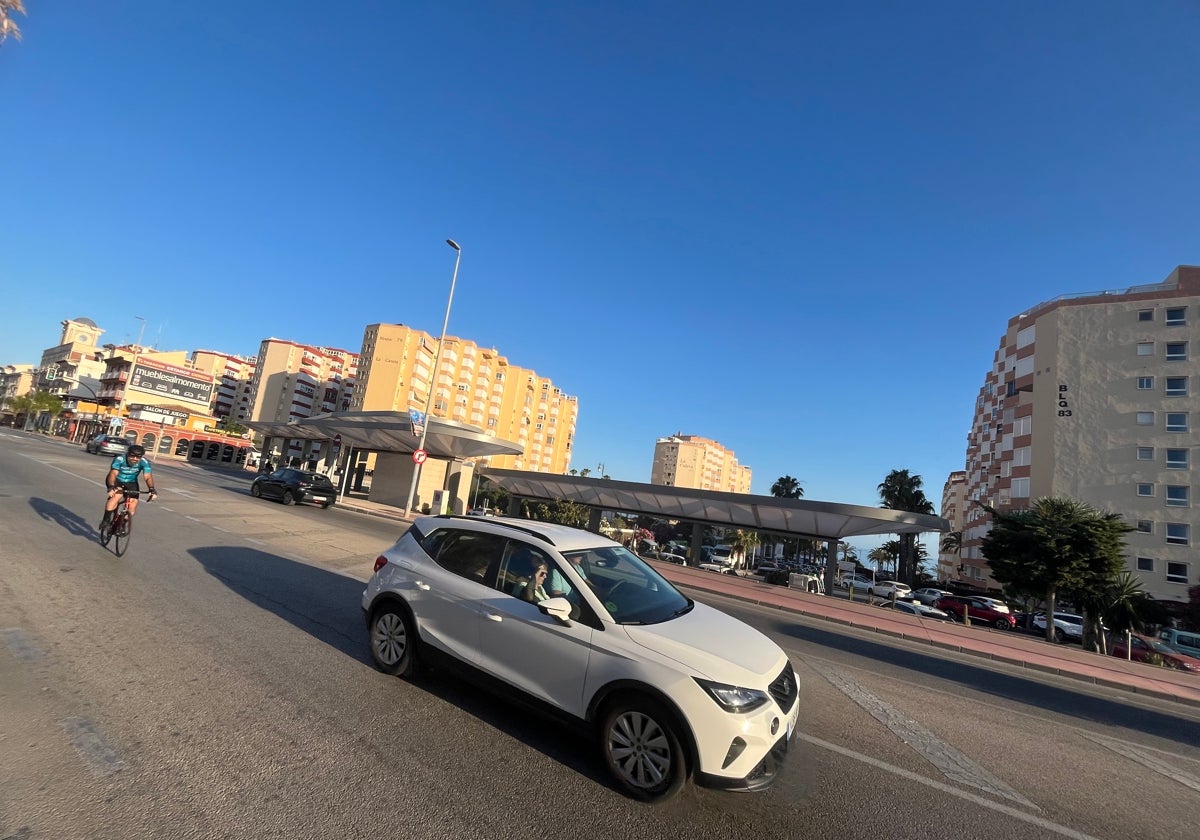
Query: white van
1181, 641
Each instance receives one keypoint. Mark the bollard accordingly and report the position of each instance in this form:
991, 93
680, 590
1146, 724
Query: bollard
1129, 645
966, 615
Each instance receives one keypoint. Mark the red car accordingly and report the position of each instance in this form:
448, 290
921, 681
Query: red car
1146, 649
980, 610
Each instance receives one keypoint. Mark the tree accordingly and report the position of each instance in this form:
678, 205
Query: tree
786, 487
8, 26
743, 543
1057, 545
561, 511
583, 473
885, 556
902, 491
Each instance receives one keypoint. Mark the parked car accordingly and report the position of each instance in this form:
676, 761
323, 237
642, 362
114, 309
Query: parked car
481, 511
107, 445
929, 594
980, 610
718, 567
888, 588
918, 609
291, 485
859, 583
1067, 626
665, 683
1146, 649
1181, 641
677, 559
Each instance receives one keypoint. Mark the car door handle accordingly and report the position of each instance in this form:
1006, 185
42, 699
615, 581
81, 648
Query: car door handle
495, 616
423, 585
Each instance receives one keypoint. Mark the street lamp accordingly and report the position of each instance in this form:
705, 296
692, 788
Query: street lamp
437, 360
140, 331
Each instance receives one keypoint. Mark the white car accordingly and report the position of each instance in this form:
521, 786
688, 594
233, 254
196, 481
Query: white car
671, 688
481, 511
918, 609
930, 594
889, 588
1067, 626
860, 584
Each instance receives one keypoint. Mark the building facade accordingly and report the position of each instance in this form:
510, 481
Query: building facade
954, 497
233, 377
473, 385
699, 463
77, 354
1091, 397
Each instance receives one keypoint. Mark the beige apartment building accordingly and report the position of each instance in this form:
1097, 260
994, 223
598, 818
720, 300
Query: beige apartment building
1090, 397
474, 385
234, 376
699, 463
954, 498
78, 353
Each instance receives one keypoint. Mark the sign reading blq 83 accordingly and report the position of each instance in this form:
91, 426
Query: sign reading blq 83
170, 383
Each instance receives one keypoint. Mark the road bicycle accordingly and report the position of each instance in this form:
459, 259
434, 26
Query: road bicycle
120, 527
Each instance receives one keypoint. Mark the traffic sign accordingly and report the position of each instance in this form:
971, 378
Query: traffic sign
337, 441
419, 456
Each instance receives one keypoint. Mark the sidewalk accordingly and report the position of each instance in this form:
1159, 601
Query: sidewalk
1001, 646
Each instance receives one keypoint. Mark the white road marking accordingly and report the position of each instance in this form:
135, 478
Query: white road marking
1146, 760
1032, 819
954, 764
91, 746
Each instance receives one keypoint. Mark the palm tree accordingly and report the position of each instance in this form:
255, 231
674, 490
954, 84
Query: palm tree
8, 26
786, 487
584, 472
902, 491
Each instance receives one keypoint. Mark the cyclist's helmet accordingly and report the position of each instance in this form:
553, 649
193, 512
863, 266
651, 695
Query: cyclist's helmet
137, 451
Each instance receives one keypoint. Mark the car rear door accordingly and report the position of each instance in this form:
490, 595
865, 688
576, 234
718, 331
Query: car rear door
450, 590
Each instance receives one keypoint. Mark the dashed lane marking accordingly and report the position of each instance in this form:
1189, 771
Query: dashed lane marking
96, 753
1147, 760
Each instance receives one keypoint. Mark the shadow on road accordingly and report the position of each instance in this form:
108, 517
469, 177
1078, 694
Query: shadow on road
1019, 689
67, 519
327, 606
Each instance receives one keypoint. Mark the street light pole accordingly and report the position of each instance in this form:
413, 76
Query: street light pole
437, 360
140, 331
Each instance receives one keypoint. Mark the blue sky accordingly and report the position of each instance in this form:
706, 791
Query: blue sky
796, 229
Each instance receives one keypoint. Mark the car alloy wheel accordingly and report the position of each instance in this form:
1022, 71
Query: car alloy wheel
392, 640
1001, 624
289, 498
642, 749
256, 491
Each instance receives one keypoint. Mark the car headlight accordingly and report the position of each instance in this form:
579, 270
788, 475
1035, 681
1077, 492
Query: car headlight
733, 698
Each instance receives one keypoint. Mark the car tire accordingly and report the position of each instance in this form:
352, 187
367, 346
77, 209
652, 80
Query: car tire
1059, 636
641, 746
325, 505
1000, 624
256, 491
289, 498
393, 640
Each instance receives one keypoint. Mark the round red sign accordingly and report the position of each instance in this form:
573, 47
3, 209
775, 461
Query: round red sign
419, 456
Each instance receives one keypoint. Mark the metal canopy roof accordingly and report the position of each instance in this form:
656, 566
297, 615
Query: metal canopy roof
823, 520
393, 431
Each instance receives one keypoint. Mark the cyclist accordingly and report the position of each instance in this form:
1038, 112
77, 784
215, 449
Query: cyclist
123, 478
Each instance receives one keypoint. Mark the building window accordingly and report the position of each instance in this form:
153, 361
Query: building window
1177, 351
1177, 572
1145, 418
1144, 489
1178, 495
1145, 314
1145, 348
1177, 315
1145, 383
1178, 533
1019, 488
1145, 526
1177, 459
1145, 453
1177, 386
1177, 421
1145, 564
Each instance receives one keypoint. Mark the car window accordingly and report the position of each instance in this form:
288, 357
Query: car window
631, 591
520, 559
468, 554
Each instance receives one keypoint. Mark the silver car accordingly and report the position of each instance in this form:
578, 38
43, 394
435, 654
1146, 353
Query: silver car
107, 445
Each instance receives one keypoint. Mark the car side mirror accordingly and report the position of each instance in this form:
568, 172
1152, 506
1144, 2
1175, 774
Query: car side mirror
557, 608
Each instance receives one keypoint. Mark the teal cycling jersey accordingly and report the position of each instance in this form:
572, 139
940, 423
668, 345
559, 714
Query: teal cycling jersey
128, 473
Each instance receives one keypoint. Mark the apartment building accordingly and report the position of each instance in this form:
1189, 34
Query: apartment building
954, 498
78, 353
234, 377
473, 385
292, 381
1090, 397
702, 464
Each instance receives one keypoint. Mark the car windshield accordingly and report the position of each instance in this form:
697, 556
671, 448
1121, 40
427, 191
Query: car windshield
632, 592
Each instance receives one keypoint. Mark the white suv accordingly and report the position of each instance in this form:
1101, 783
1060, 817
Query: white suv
671, 688
1067, 626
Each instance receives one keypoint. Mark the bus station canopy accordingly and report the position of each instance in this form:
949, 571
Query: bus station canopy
392, 431
791, 517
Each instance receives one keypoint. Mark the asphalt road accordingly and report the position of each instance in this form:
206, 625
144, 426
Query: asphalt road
215, 682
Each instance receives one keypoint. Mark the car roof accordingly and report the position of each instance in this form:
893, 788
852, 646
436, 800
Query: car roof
562, 537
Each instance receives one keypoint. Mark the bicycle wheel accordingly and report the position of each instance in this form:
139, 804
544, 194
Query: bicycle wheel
123, 529
105, 533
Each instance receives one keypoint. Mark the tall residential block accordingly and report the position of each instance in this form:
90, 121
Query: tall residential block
1090, 397
954, 509
699, 463
234, 376
474, 385
292, 381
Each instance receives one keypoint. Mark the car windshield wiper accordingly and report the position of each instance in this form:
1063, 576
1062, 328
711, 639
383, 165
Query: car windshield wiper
684, 610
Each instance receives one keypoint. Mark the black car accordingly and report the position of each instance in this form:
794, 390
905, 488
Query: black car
291, 486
